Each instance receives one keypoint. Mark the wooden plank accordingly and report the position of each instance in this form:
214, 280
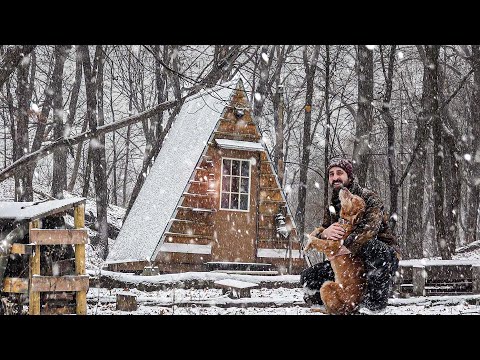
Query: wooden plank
59, 283
22, 249
63, 310
189, 235
15, 285
34, 296
248, 272
79, 222
58, 236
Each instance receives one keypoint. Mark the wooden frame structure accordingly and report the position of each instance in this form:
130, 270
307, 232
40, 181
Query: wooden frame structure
35, 283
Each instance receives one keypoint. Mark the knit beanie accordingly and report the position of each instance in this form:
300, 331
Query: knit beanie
343, 163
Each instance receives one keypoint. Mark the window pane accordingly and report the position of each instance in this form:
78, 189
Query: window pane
225, 183
235, 183
244, 185
235, 167
245, 168
244, 201
226, 166
234, 204
225, 198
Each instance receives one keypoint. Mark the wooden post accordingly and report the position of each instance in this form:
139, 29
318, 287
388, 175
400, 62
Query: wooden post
79, 222
34, 296
419, 279
476, 279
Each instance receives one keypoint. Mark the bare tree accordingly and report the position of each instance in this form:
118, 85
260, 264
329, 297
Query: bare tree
414, 233
390, 122
97, 148
472, 215
364, 120
59, 178
310, 64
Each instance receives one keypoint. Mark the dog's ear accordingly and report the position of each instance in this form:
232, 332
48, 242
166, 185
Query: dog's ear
358, 216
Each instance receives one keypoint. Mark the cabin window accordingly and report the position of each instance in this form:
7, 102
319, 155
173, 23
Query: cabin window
235, 184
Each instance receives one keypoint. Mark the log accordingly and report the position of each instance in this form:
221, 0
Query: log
476, 279
126, 302
419, 279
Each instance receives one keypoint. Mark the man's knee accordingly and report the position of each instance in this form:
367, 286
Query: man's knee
312, 278
316, 275
381, 263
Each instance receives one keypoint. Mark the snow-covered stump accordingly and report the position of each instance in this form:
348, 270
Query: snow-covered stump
126, 302
476, 279
419, 279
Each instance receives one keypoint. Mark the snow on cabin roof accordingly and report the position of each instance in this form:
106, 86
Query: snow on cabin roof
34, 210
239, 145
168, 177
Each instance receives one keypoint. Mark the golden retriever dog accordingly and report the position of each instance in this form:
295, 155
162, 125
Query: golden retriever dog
343, 295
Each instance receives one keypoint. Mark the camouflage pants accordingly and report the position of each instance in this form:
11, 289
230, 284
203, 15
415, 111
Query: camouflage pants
380, 263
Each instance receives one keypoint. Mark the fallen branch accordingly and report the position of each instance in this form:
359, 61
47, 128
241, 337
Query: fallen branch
87, 135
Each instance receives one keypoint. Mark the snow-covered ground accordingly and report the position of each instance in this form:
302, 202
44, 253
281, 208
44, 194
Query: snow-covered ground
195, 302
175, 294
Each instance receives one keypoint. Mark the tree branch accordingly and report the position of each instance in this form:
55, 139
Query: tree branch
73, 140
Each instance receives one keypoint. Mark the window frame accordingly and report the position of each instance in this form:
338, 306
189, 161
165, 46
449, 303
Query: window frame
239, 184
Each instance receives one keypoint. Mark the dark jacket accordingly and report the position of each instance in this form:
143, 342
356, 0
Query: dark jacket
374, 223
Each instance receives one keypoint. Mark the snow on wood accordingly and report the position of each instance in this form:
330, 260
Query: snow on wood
169, 176
186, 248
236, 284
239, 145
434, 262
34, 210
278, 253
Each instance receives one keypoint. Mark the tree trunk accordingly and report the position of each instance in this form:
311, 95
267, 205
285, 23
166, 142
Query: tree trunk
451, 136
472, 216
114, 145
71, 116
12, 58
278, 156
59, 177
24, 192
261, 90
432, 54
327, 130
310, 68
364, 120
125, 169
389, 121
97, 151
414, 239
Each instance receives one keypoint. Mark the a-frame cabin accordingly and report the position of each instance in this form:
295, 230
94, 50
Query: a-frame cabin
212, 195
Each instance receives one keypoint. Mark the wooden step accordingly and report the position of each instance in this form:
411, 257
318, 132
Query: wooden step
193, 209
188, 235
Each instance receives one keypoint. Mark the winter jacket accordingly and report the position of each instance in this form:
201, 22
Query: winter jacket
374, 223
